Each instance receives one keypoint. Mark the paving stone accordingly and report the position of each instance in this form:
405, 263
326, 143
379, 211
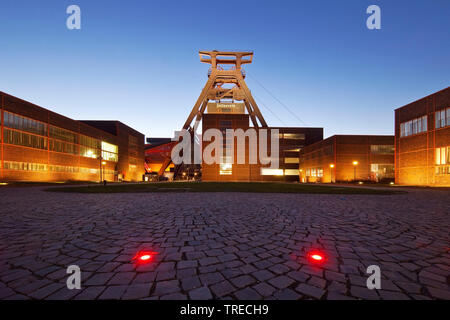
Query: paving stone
190, 283
364, 293
64, 294
99, 279
211, 278
174, 296
187, 264
338, 296
113, 292
201, 293
242, 281
90, 293
223, 288
208, 261
389, 295
166, 287
122, 278
44, 292
281, 282
137, 291
287, 294
264, 289
247, 294
262, 275
310, 291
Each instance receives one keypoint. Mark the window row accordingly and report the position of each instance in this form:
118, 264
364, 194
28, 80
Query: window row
33, 141
63, 134
89, 142
316, 172
24, 166
24, 139
56, 168
443, 170
382, 149
414, 126
293, 136
382, 170
14, 165
278, 172
442, 118
60, 146
25, 124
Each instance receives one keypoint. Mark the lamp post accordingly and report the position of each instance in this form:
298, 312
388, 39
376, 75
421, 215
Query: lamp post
100, 158
103, 170
355, 163
331, 172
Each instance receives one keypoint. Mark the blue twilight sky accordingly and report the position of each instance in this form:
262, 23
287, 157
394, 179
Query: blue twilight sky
137, 60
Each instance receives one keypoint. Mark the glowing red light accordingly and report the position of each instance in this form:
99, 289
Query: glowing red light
316, 257
145, 257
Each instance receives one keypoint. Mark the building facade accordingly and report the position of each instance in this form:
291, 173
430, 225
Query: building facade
40, 145
291, 140
422, 141
345, 158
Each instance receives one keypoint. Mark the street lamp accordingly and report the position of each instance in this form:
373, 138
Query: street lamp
100, 158
355, 163
331, 172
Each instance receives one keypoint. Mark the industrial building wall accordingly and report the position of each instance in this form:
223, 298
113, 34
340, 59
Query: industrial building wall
332, 160
29, 155
291, 140
416, 160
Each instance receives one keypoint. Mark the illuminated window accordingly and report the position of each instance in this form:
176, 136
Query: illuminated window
414, 126
296, 136
226, 166
24, 166
62, 134
291, 160
320, 172
271, 172
109, 151
443, 155
56, 168
382, 170
89, 147
89, 170
441, 120
60, 146
291, 172
292, 150
24, 139
382, 149
15, 121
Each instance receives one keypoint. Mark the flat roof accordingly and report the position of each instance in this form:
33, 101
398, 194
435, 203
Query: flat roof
406, 105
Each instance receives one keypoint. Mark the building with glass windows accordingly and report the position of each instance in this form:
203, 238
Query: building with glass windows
291, 141
40, 145
347, 158
422, 141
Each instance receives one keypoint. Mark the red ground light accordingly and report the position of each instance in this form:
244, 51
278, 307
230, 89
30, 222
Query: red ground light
316, 257
144, 256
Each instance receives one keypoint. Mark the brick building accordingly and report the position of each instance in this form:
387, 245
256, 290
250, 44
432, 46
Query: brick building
348, 158
40, 145
422, 141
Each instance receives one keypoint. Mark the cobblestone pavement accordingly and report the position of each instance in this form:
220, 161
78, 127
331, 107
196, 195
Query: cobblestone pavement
223, 245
